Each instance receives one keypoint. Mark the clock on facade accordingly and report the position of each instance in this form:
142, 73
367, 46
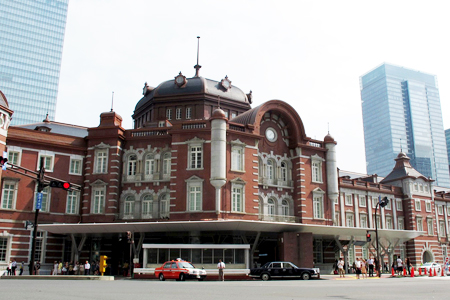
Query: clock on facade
271, 134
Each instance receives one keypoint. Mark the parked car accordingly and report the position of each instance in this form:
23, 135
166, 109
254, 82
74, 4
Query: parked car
179, 270
425, 268
283, 270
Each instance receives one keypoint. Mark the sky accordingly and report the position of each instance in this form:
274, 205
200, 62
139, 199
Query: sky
309, 54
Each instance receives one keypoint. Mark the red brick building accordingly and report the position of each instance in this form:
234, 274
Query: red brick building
204, 176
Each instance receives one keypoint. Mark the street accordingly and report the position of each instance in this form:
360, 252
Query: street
388, 288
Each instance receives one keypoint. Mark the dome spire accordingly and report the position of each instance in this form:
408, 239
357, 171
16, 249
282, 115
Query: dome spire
197, 66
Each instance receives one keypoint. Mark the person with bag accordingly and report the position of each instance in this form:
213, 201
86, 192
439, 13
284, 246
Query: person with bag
341, 268
221, 266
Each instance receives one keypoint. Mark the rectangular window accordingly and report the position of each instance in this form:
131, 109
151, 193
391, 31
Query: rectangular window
75, 166
98, 206
349, 220
348, 200
101, 157
237, 199
430, 226
196, 157
13, 157
363, 221
195, 198
417, 205
237, 159
337, 219
46, 193
39, 246
318, 206
147, 207
362, 201
48, 163
399, 204
188, 113
388, 205
419, 224
374, 202
72, 202
441, 228
428, 206
440, 210
318, 251
169, 114
149, 166
3, 248
401, 223
316, 172
378, 220
9, 194
178, 116
389, 223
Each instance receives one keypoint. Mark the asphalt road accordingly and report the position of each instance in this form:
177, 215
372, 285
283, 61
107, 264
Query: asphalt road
392, 288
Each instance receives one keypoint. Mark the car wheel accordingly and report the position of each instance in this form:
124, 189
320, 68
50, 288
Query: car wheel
200, 279
306, 276
265, 276
161, 277
182, 277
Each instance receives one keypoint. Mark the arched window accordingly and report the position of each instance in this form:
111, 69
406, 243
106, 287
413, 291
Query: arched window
269, 169
147, 206
164, 205
285, 208
284, 172
132, 165
128, 207
271, 207
149, 165
166, 164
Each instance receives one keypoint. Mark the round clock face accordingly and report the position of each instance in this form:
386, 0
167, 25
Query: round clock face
271, 134
180, 79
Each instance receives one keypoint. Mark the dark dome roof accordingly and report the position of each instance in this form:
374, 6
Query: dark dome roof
194, 85
218, 114
328, 138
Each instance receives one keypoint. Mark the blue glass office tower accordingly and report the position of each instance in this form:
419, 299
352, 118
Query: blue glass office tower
31, 44
402, 112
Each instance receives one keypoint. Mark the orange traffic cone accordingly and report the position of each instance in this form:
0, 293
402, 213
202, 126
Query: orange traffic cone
420, 272
431, 273
412, 271
434, 273
404, 272
393, 273
442, 272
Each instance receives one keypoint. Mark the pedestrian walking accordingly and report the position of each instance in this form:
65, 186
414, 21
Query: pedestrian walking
55, 268
21, 268
341, 267
221, 266
363, 268
13, 267
370, 263
87, 268
358, 268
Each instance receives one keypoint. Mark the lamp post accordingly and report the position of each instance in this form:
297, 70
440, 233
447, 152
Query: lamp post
382, 203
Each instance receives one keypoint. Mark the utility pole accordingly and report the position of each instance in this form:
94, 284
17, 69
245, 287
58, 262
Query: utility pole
41, 186
381, 203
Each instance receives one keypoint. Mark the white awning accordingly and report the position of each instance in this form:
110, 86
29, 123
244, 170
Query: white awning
342, 233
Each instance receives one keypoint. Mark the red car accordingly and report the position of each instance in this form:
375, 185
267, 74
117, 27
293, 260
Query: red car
179, 270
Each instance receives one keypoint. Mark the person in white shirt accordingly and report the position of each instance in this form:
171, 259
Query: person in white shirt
221, 266
399, 266
340, 266
370, 263
358, 267
87, 268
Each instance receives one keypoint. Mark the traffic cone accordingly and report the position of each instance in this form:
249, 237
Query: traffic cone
404, 272
393, 273
420, 272
431, 273
442, 272
412, 271
434, 273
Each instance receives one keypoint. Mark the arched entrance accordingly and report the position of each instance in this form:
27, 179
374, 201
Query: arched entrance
427, 256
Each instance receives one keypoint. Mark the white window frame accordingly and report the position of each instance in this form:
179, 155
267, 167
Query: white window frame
14, 157
285, 210
363, 221
128, 206
389, 223
194, 194
149, 165
430, 227
237, 157
164, 205
237, 197
98, 200
271, 207
349, 219
428, 206
166, 164
399, 204
374, 202
178, 113
169, 114
348, 199
318, 205
72, 202
362, 201
49, 161
316, 169
75, 167
419, 223
440, 210
188, 113
388, 205
147, 206
401, 223
9, 194
101, 161
131, 165
441, 228
417, 205
46, 197
270, 170
4, 247
195, 156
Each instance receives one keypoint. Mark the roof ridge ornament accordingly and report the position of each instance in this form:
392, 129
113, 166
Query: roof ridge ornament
197, 66
226, 83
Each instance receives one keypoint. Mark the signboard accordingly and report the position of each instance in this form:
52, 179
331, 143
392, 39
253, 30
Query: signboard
39, 201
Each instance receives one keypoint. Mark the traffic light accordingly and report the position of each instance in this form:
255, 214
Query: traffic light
368, 238
384, 202
103, 263
60, 184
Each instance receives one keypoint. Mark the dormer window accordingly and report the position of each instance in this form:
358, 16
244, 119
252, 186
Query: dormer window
43, 128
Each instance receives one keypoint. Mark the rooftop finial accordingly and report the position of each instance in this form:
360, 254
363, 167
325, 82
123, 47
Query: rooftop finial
197, 66
112, 101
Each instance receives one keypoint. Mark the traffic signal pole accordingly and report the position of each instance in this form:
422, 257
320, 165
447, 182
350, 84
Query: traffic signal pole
40, 181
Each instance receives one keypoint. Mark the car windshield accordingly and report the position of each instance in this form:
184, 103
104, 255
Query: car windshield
428, 264
186, 265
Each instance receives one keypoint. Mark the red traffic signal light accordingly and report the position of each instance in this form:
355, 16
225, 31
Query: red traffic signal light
368, 238
60, 184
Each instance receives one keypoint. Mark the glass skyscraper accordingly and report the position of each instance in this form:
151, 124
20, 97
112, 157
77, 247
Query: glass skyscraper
402, 112
31, 44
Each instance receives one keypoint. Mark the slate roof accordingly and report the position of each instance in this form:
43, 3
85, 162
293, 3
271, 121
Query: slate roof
59, 128
403, 169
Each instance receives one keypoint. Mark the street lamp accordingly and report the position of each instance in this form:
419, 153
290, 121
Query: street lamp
382, 203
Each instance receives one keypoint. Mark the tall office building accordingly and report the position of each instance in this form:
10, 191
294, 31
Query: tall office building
402, 112
447, 141
31, 44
